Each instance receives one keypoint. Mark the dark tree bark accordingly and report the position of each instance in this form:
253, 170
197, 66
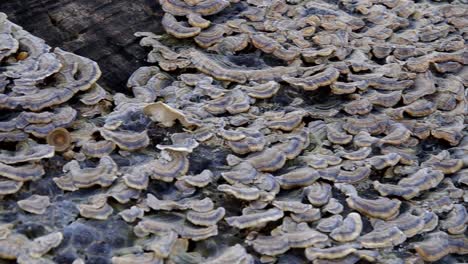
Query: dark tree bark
101, 30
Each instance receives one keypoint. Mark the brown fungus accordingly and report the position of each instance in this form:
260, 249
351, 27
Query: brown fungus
59, 138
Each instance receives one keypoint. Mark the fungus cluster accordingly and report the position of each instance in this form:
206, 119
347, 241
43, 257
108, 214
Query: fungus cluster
36, 92
264, 131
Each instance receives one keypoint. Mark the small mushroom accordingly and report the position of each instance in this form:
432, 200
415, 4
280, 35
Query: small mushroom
59, 138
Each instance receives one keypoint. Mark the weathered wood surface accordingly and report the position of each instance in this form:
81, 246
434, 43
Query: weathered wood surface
101, 30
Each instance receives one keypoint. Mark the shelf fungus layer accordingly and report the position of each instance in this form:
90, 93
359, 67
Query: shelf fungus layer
257, 131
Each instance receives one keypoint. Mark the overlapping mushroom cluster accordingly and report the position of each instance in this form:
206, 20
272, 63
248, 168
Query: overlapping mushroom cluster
42, 94
37, 86
266, 130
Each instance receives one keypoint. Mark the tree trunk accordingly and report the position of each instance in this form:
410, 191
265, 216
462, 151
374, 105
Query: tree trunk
101, 30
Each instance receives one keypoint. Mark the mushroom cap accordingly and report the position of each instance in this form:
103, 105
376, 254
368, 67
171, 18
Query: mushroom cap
59, 138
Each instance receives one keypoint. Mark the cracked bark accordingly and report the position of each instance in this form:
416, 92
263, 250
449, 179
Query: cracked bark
101, 30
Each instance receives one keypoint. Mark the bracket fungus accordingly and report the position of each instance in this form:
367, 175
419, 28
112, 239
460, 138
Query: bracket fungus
22, 173
26, 151
382, 208
97, 208
440, 244
300, 177
311, 83
234, 142
391, 236
318, 193
329, 224
235, 254
186, 7
126, 140
76, 177
329, 253
349, 230
255, 219
35, 204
